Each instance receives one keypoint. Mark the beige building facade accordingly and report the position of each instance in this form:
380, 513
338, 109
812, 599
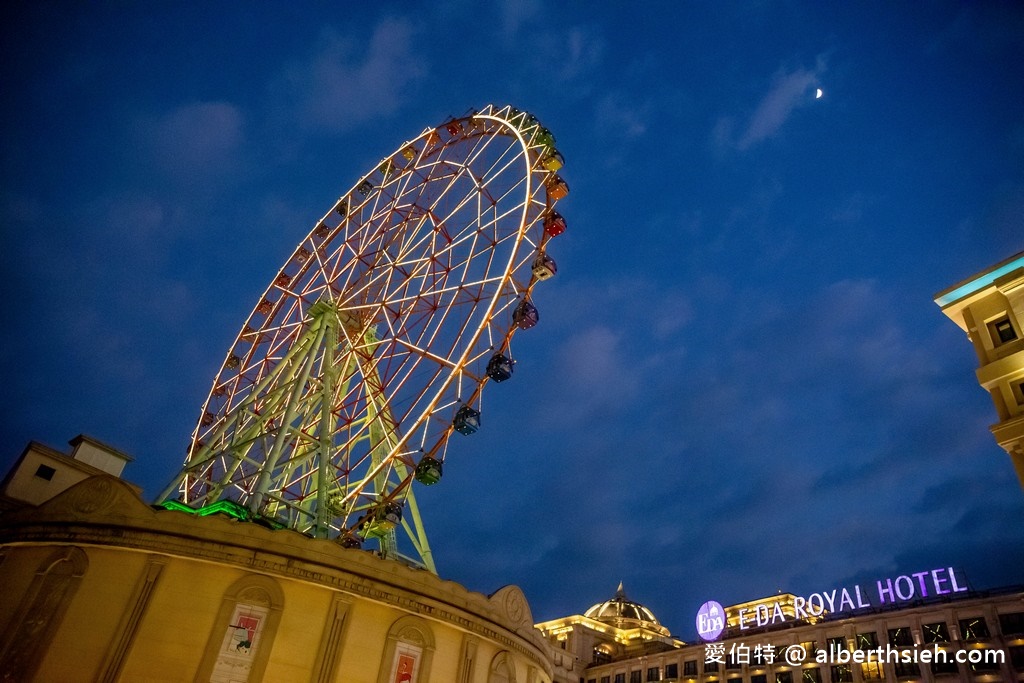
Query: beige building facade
96, 585
989, 307
986, 631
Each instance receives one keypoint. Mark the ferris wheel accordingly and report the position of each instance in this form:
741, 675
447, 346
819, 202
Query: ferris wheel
373, 343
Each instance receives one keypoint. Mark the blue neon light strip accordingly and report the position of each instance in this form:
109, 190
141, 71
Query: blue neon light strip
983, 281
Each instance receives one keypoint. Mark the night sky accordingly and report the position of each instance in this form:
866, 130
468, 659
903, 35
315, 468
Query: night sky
740, 382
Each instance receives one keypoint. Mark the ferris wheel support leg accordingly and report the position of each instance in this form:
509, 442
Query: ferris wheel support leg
323, 514
294, 401
420, 537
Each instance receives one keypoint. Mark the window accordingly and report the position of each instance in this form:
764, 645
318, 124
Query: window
731, 663
1012, 624
867, 641
988, 662
759, 678
606, 679
710, 666
243, 631
907, 669
784, 677
652, 674
636, 676
946, 667
600, 656
871, 671
810, 647
45, 472
974, 628
812, 675
1002, 330
1016, 656
842, 674
936, 633
901, 637
620, 678
672, 670
689, 668
837, 644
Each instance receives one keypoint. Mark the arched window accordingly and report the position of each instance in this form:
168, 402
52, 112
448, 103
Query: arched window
503, 669
408, 652
239, 645
40, 612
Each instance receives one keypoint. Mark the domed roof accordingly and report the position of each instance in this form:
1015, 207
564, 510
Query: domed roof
622, 612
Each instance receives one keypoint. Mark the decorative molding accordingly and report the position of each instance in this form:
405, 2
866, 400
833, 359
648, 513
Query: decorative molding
467, 658
40, 613
125, 522
502, 669
116, 655
329, 653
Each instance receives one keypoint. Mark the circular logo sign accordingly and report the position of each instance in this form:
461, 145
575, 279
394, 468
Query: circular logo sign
710, 621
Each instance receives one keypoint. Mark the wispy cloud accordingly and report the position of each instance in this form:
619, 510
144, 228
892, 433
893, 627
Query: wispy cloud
199, 139
613, 115
790, 90
348, 83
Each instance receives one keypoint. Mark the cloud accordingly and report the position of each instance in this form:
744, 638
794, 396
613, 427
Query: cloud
348, 83
613, 116
789, 91
514, 15
197, 140
582, 51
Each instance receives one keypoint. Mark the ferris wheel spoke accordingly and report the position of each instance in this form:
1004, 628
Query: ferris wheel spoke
348, 373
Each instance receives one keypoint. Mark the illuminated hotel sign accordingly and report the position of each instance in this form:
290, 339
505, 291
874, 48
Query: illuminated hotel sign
710, 620
926, 584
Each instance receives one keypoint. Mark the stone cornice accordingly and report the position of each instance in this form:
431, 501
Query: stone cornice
104, 511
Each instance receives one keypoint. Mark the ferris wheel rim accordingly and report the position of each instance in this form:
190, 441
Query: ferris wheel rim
272, 314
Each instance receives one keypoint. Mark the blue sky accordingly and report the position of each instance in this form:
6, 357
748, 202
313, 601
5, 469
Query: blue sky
740, 382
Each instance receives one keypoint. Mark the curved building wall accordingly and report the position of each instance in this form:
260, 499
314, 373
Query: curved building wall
98, 586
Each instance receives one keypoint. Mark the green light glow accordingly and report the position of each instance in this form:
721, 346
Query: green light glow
228, 507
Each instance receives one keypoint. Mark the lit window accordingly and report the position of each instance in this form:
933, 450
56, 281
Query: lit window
973, 629
1002, 330
784, 677
45, 472
901, 637
871, 671
988, 661
936, 633
867, 641
842, 673
812, 675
